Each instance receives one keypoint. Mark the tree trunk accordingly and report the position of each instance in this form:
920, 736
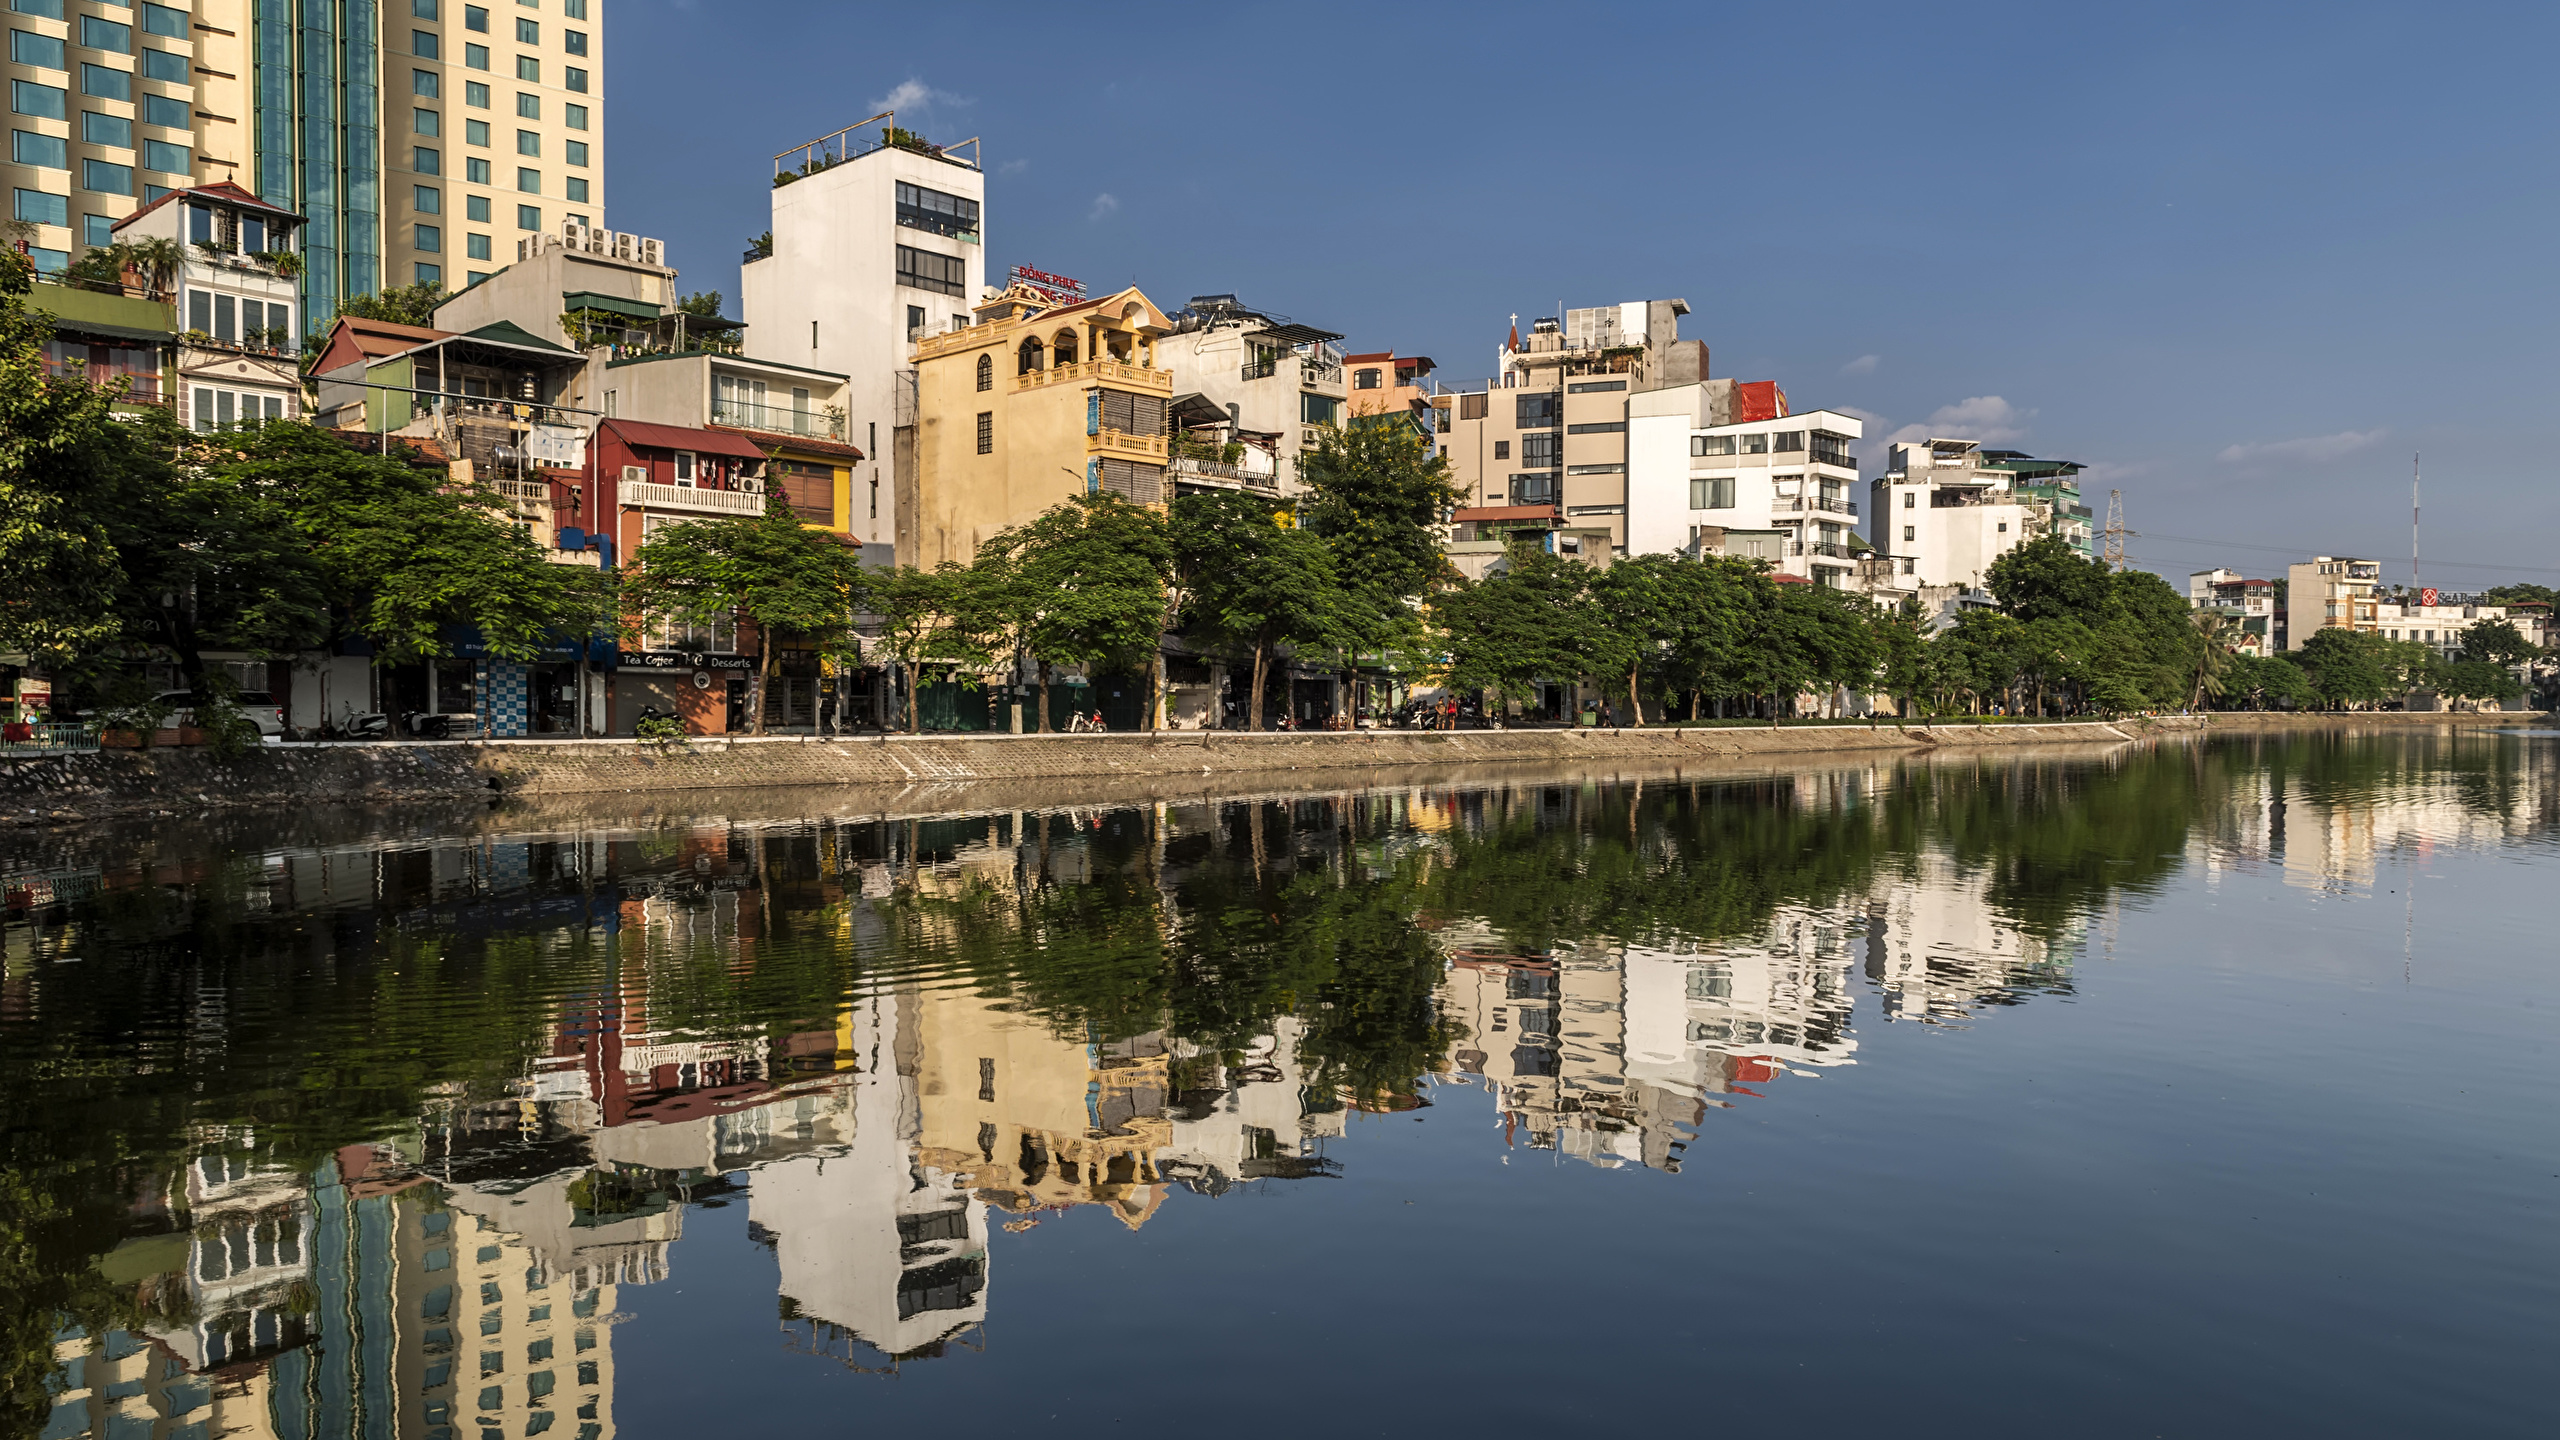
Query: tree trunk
1253, 711
1635, 705
915, 710
764, 684
1044, 697
1155, 686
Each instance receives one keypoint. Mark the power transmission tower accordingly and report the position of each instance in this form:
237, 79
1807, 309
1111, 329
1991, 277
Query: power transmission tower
2115, 530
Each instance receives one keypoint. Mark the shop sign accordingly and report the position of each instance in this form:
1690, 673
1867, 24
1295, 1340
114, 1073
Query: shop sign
684, 660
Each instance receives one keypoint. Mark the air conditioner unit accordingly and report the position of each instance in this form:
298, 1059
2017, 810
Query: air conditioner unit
622, 244
574, 233
635, 474
651, 253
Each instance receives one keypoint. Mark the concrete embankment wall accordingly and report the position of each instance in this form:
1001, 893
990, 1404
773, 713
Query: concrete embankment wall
183, 782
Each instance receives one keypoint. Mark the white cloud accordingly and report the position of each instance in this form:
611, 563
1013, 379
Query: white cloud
1013, 167
1986, 418
1863, 365
913, 95
2313, 448
1103, 204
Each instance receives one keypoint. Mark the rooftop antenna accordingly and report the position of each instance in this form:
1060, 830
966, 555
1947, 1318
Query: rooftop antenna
2413, 520
2115, 530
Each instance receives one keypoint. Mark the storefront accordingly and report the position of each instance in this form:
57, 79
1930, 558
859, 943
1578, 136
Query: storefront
705, 689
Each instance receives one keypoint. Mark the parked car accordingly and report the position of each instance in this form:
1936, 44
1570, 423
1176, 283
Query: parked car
258, 705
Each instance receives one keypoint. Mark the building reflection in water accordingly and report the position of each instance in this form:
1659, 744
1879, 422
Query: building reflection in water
886, 1039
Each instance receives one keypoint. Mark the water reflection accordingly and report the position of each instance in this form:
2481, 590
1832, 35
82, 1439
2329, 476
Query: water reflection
368, 1140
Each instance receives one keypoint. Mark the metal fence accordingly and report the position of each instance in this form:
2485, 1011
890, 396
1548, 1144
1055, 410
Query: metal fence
24, 741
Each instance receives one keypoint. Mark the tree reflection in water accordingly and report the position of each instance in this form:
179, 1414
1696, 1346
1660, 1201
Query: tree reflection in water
302, 1134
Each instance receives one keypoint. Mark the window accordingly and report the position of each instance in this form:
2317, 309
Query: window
97, 129
1710, 444
574, 116
1533, 489
925, 270
1789, 440
29, 98
476, 171
162, 20
528, 105
426, 122
1541, 452
166, 111
1710, 492
476, 246
1538, 411
1317, 409
1601, 427
1910, 499
426, 160
1364, 379
1754, 444
528, 217
986, 363
475, 17
166, 158
164, 67
529, 142
574, 9
43, 209
104, 83
528, 68
574, 41
476, 207
105, 178
529, 181
574, 190
99, 34
1593, 387
49, 9
475, 132
428, 274
1129, 414
423, 9
528, 32
28, 48
430, 239
577, 152
986, 432
2004, 527
921, 208
475, 57
425, 45
1501, 449
575, 79
475, 94
1910, 533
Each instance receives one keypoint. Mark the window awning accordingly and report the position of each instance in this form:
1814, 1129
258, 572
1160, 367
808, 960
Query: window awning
109, 332
677, 437
614, 304
1293, 335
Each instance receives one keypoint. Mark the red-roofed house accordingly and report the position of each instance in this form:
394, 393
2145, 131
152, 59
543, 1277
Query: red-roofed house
237, 302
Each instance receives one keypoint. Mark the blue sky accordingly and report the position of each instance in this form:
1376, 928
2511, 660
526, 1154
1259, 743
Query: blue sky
2242, 259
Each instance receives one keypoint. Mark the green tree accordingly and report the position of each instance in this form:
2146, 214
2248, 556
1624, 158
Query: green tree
1380, 495
397, 304
787, 577
1253, 583
924, 617
2262, 680
2522, 594
702, 303
2500, 643
2476, 680
2046, 578
2345, 667
1103, 565
59, 572
1515, 627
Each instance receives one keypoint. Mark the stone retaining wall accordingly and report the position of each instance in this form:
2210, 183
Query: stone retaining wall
178, 782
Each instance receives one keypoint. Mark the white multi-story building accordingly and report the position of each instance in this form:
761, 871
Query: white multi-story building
2250, 606
2327, 590
1943, 515
1274, 381
238, 306
875, 245
1694, 485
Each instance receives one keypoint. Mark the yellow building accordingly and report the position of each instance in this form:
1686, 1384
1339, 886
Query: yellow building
1034, 403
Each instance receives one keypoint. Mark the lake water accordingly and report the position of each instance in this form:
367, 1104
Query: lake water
2195, 1090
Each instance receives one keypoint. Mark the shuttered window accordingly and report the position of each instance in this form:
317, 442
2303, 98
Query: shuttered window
1138, 484
1471, 407
1132, 414
809, 490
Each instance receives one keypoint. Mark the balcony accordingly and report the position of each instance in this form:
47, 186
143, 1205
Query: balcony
1262, 369
1318, 372
689, 497
777, 419
1823, 549
1117, 372
1792, 503
1842, 461
1218, 472
1120, 442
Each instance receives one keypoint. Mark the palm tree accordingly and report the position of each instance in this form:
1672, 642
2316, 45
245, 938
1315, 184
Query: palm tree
155, 263
2213, 655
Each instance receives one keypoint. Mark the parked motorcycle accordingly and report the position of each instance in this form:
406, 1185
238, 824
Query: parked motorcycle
425, 725
357, 724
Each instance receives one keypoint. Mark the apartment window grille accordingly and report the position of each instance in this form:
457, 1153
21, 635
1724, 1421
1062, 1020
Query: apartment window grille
986, 432
925, 270
986, 372
1133, 482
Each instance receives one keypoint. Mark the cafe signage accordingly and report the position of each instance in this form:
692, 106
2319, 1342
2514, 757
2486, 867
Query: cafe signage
684, 660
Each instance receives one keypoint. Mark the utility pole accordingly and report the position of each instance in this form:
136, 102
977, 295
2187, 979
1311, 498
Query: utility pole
2115, 530
2413, 520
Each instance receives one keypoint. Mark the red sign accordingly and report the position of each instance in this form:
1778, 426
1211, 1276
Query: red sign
1056, 287
2427, 597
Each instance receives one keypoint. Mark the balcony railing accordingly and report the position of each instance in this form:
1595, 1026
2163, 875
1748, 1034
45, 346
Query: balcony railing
689, 497
1151, 447
1825, 457
1828, 506
1261, 369
1318, 372
1827, 549
1217, 471
776, 419
1116, 371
